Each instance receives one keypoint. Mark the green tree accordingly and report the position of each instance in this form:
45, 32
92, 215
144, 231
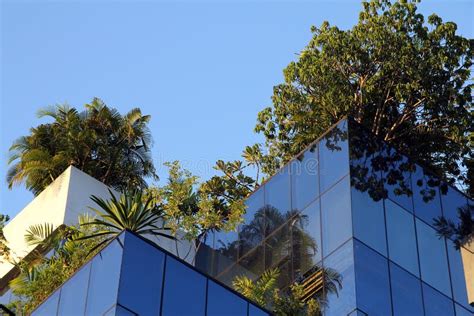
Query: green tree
112, 148
404, 77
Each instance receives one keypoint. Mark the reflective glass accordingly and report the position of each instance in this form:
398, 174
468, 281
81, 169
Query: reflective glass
253, 263
342, 263
118, 310
406, 293
205, 256
433, 258
104, 279
452, 200
426, 198
277, 200
256, 311
333, 156
142, 268
336, 216
184, 292
305, 178
226, 245
277, 248
436, 303
397, 178
401, 237
251, 232
372, 281
369, 220
49, 307
306, 239
74, 293
462, 311
457, 276
221, 301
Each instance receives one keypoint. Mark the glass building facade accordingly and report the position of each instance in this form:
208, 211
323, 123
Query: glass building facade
131, 276
354, 207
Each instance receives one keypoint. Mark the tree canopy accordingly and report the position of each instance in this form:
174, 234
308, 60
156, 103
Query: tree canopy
404, 77
113, 148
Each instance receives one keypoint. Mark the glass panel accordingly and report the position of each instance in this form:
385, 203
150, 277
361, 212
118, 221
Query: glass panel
142, 272
256, 311
74, 293
336, 216
277, 248
221, 301
452, 200
397, 178
306, 239
401, 237
49, 307
184, 290
433, 258
205, 256
277, 200
342, 263
305, 178
406, 293
436, 303
253, 263
227, 246
369, 220
457, 276
372, 281
118, 310
462, 312
251, 232
104, 279
333, 156
426, 197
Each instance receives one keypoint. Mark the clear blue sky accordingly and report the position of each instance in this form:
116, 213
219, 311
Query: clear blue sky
201, 69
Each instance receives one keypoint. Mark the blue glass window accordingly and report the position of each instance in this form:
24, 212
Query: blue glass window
253, 263
142, 268
333, 156
406, 293
436, 303
457, 276
452, 200
74, 293
305, 178
184, 292
49, 307
372, 281
251, 232
341, 262
460, 311
433, 258
227, 246
277, 200
336, 216
221, 301
426, 197
397, 178
306, 238
369, 220
118, 310
256, 311
277, 247
104, 278
401, 237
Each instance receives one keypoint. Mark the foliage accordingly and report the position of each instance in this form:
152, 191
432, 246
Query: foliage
4, 249
40, 276
132, 211
264, 292
114, 149
405, 78
461, 233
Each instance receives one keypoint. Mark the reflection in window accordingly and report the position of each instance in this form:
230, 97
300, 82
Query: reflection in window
333, 156
305, 178
226, 245
436, 303
406, 293
251, 232
342, 262
401, 237
452, 200
277, 200
253, 262
49, 307
457, 276
426, 197
142, 268
397, 178
372, 281
433, 258
277, 247
184, 292
221, 301
306, 238
369, 220
205, 256
74, 293
104, 278
336, 216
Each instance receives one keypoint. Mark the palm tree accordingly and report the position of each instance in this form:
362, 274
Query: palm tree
133, 211
114, 149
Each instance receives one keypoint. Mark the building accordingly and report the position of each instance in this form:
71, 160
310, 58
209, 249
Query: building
348, 209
